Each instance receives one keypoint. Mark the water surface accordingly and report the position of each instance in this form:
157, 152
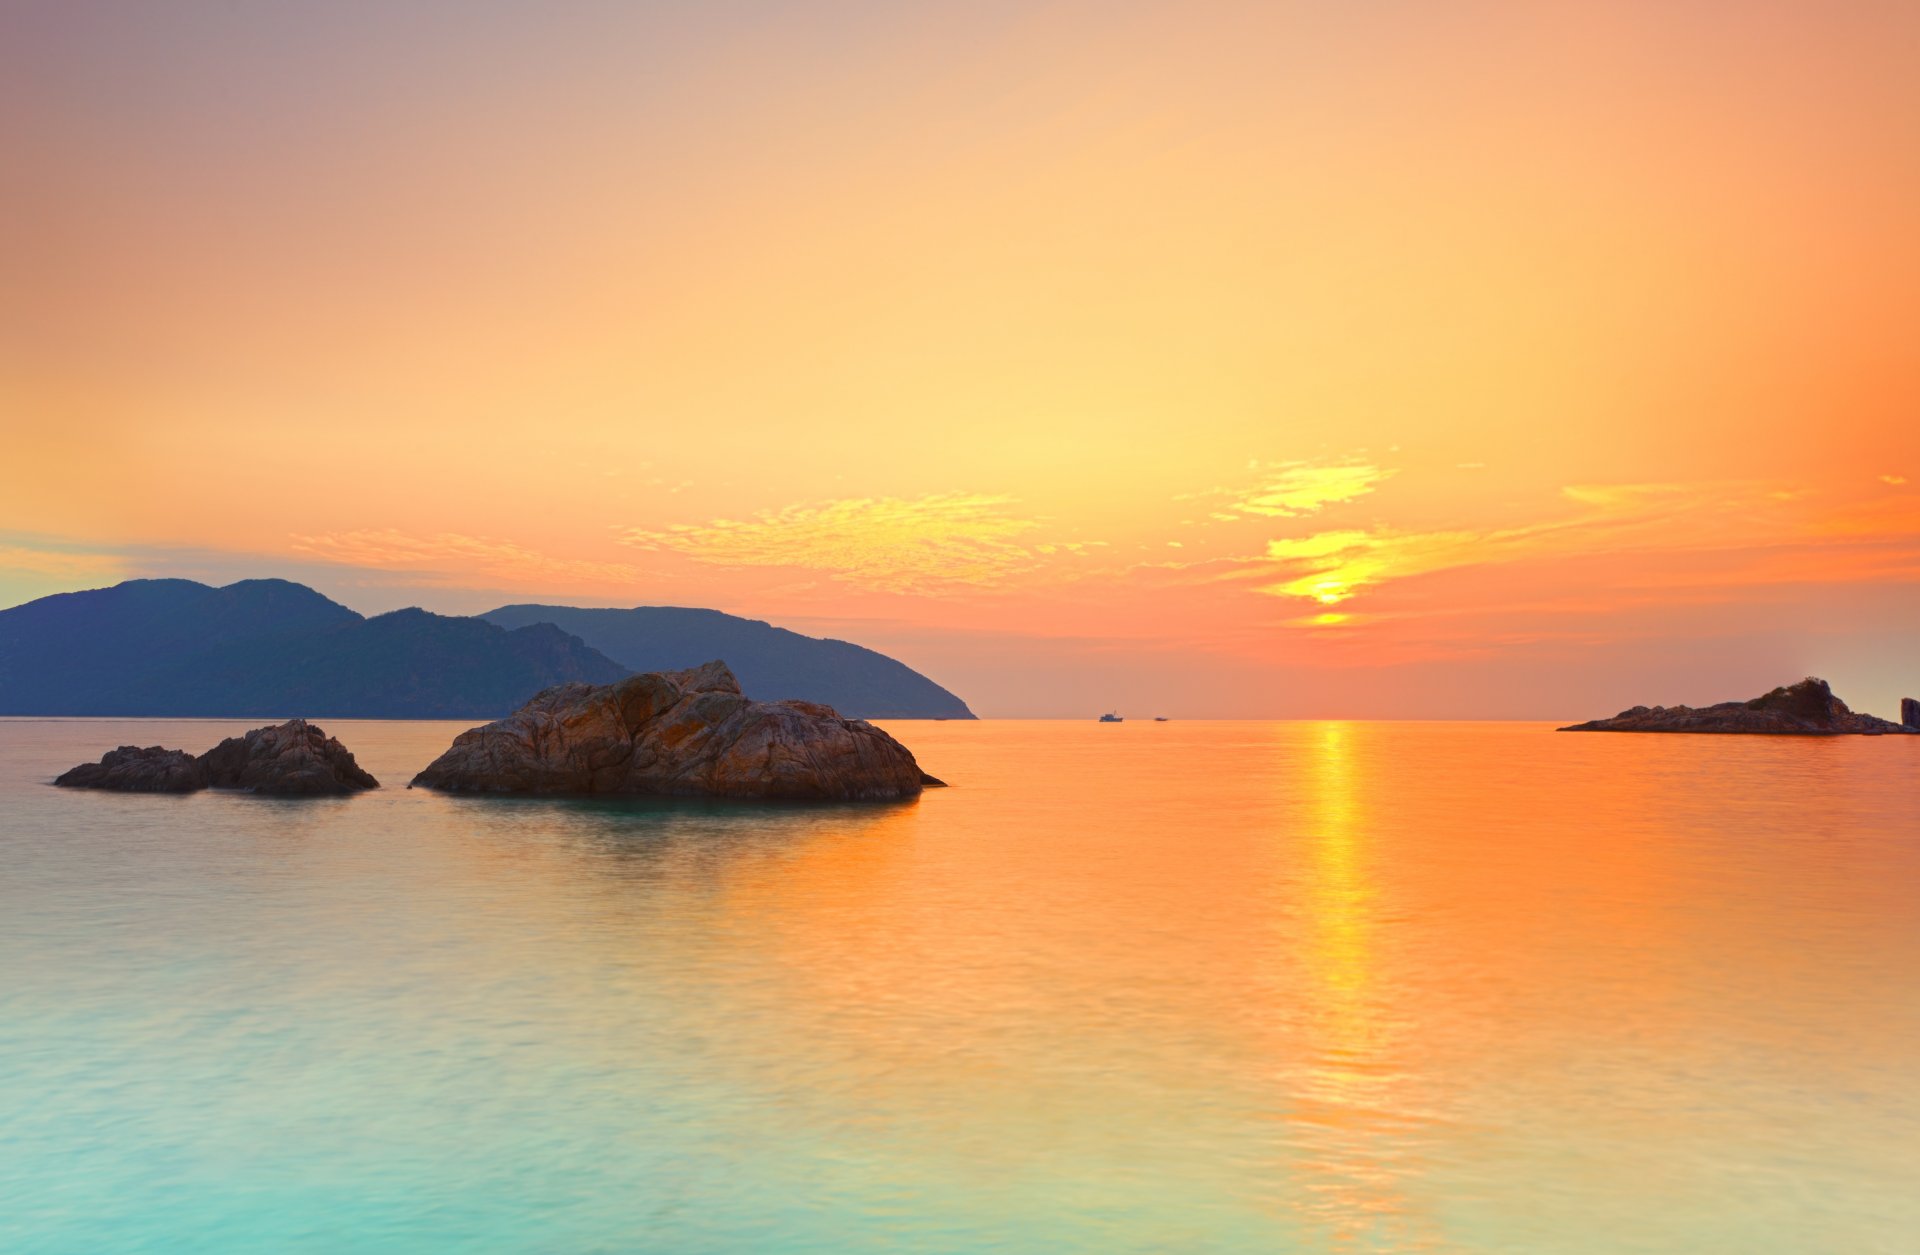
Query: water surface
1265, 987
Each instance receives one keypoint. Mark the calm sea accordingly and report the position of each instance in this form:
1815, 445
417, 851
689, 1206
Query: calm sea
1265, 987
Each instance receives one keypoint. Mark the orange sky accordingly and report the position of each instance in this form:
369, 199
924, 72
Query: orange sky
1292, 359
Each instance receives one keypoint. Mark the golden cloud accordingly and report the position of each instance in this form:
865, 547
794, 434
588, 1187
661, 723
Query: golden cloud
1301, 488
920, 545
1292, 489
1331, 567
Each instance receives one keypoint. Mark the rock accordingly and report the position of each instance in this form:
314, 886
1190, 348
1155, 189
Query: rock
677, 733
1808, 708
292, 759
131, 769
1910, 713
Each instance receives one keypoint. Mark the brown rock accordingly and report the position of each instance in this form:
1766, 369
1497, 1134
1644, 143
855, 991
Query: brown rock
676, 733
292, 759
131, 769
1808, 708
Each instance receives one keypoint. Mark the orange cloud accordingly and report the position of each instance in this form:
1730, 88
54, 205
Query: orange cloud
1633, 545
1333, 566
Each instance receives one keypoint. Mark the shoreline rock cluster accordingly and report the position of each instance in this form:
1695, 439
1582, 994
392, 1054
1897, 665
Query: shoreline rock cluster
689, 733
1808, 708
292, 759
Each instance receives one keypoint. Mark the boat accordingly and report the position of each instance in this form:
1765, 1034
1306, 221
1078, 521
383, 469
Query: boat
1159, 718
1112, 716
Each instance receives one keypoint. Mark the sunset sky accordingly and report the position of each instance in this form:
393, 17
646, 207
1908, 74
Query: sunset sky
1290, 359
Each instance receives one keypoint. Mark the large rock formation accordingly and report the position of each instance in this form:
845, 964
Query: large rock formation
1808, 708
131, 769
292, 759
1910, 713
677, 733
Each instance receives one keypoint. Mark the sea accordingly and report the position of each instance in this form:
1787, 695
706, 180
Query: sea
1141, 987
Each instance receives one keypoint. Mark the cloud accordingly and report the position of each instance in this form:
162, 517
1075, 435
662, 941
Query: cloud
1330, 567
1650, 536
1300, 488
458, 559
919, 545
1292, 489
1895, 480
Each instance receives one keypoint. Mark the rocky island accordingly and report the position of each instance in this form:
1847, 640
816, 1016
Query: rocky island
292, 759
685, 733
1808, 708
131, 769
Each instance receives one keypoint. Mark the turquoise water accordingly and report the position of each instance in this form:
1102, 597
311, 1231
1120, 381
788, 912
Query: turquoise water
1141, 987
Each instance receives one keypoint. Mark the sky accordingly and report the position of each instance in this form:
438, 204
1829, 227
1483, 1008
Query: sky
1204, 359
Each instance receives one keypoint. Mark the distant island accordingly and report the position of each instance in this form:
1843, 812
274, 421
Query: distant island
1808, 708
178, 648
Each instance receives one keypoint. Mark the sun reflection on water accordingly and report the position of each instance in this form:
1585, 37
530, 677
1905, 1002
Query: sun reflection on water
1350, 1111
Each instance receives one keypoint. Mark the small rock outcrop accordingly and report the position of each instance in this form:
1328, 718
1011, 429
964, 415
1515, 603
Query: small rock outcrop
680, 734
1808, 708
131, 769
1910, 713
292, 759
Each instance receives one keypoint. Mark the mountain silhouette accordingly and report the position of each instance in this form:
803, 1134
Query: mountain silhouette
771, 663
273, 648
263, 648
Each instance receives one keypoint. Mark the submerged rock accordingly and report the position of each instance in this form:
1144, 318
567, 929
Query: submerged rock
1808, 708
292, 759
131, 769
677, 733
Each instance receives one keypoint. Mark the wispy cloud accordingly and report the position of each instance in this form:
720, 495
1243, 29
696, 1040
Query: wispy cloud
886, 544
1292, 489
458, 559
1654, 535
1301, 488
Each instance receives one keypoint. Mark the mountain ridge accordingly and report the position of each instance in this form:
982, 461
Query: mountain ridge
179, 648
275, 648
772, 663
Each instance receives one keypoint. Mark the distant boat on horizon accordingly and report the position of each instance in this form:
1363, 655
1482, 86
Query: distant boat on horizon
1112, 716
1159, 718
